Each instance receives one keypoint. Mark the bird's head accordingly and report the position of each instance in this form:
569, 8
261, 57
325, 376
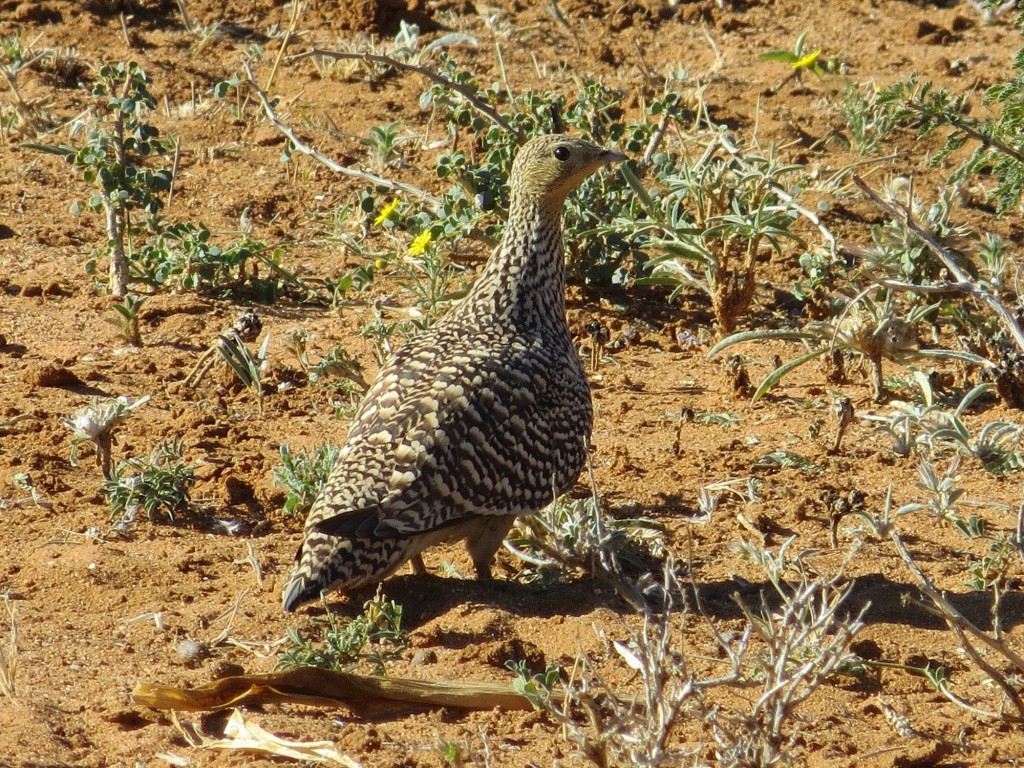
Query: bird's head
549, 167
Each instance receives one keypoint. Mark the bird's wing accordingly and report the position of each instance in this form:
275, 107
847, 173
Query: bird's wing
435, 441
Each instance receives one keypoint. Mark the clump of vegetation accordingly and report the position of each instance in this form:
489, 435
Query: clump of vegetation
303, 475
869, 327
247, 367
791, 645
714, 216
95, 423
993, 564
375, 636
158, 485
116, 157
126, 318
122, 156
998, 144
339, 362
184, 256
571, 537
29, 116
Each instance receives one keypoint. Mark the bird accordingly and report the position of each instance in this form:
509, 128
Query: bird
481, 418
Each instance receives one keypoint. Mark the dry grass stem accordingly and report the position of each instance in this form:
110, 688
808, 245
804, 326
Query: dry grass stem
9, 657
485, 109
301, 146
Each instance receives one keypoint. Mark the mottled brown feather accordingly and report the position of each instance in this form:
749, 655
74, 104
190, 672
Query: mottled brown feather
482, 417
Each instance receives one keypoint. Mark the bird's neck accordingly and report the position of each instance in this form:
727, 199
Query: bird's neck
524, 280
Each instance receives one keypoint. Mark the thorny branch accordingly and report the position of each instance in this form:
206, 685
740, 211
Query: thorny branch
380, 181
485, 109
963, 280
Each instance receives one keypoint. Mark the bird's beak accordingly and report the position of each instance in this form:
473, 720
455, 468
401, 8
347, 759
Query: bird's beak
612, 156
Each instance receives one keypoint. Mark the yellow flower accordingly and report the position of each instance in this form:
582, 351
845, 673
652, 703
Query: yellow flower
419, 245
386, 212
806, 61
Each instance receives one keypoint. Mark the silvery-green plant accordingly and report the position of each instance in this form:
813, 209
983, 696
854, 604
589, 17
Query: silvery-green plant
158, 485
126, 318
303, 475
574, 536
247, 368
712, 218
869, 326
374, 636
96, 422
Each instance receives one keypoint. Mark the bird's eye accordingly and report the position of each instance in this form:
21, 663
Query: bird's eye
562, 153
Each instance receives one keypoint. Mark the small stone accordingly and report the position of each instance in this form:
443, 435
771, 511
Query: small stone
423, 657
191, 650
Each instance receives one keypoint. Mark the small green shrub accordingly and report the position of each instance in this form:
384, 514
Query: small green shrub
475, 204
184, 256
375, 636
116, 157
158, 484
997, 137
713, 217
303, 475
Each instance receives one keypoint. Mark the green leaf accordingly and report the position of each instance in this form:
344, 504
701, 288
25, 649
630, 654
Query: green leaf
759, 335
785, 56
775, 376
63, 150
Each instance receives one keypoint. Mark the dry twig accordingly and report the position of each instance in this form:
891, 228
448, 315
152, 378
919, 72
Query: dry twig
963, 280
375, 58
301, 146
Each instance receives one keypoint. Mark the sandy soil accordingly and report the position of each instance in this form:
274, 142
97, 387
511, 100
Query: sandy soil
85, 599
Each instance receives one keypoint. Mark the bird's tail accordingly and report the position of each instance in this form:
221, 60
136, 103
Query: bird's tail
330, 562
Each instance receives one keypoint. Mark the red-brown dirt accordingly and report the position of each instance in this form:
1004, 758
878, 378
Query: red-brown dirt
85, 600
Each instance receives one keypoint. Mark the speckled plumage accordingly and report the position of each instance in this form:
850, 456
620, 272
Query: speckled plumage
479, 419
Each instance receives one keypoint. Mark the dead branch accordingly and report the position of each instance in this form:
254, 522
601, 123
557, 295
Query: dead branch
963, 280
301, 146
485, 109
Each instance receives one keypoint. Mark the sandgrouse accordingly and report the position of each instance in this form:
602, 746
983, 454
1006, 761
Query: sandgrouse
481, 418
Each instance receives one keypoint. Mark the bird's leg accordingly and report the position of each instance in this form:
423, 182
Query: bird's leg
418, 566
483, 542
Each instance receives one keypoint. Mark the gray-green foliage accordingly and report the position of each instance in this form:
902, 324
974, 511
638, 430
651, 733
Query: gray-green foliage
997, 137
476, 202
127, 159
303, 475
868, 123
158, 485
96, 423
117, 158
573, 536
374, 636
876, 325
183, 255
711, 212
247, 367
536, 687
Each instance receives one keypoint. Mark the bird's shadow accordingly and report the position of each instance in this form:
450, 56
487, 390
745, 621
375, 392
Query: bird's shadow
425, 597
883, 601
